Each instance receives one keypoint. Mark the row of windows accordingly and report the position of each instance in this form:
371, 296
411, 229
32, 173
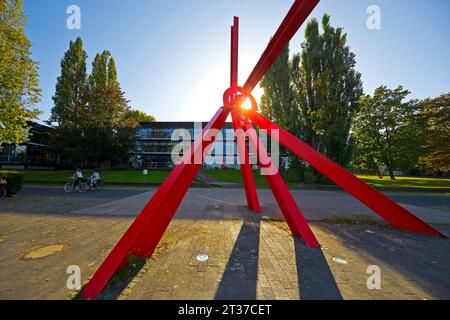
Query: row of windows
166, 162
166, 133
167, 146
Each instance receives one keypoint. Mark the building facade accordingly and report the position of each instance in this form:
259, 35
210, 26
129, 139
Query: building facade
32, 153
156, 144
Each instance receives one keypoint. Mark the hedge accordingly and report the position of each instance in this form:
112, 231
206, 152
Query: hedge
14, 179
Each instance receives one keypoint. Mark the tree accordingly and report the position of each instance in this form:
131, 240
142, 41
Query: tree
387, 131
138, 116
436, 113
94, 125
19, 79
129, 125
277, 105
69, 113
277, 100
327, 89
106, 109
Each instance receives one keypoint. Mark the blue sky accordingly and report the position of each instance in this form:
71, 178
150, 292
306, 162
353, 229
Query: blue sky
173, 55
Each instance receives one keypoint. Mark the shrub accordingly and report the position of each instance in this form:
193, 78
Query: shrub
14, 179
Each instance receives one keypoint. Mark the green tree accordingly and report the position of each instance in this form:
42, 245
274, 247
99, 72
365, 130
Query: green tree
138, 116
388, 130
277, 105
69, 113
107, 108
327, 89
436, 113
19, 79
277, 99
129, 125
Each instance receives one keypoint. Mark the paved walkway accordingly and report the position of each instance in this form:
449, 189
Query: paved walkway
208, 179
260, 260
222, 203
249, 257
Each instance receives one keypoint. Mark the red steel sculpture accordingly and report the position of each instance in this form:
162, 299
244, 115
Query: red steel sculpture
146, 231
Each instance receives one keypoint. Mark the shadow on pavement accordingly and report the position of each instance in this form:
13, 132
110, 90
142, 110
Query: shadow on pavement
120, 281
241, 273
315, 280
423, 259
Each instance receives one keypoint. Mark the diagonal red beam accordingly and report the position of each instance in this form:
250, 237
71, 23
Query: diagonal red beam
246, 168
147, 229
396, 215
289, 208
296, 16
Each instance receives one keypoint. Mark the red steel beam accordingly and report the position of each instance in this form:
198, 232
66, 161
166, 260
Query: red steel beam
292, 214
396, 215
234, 52
296, 16
246, 168
147, 229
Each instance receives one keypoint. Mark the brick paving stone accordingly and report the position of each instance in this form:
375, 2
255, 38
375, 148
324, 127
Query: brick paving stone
249, 257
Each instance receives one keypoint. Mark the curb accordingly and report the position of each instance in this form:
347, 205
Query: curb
384, 189
197, 183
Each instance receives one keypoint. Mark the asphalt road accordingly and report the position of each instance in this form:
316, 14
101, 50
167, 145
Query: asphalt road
53, 200
106, 193
427, 200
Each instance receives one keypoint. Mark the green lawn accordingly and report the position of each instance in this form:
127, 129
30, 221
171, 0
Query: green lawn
131, 176
407, 182
235, 176
400, 182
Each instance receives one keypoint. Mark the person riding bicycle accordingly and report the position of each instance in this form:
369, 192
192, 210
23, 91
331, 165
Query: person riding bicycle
77, 177
94, 178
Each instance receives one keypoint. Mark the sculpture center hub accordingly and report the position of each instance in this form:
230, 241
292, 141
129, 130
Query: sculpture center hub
236, 97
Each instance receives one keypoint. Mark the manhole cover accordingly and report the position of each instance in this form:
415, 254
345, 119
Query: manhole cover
202, 257
45, 251
340, 260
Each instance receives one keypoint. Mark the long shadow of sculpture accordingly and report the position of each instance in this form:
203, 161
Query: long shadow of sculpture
315, 279
420, 258
241, 273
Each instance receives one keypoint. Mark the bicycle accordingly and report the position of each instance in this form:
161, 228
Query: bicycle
96, 186
81, 186
3, 191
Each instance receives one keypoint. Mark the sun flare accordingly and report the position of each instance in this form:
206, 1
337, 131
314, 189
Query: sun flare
247, 104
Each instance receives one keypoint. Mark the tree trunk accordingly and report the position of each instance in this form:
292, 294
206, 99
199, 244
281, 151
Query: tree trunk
391, 173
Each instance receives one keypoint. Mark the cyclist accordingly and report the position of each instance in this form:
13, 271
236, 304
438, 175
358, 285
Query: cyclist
94, 178
77, 177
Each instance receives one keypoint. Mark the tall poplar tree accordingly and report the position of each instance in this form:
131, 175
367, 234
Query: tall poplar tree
69, 113
277, 103
107, 108
327, 89
277, 100
94, 125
